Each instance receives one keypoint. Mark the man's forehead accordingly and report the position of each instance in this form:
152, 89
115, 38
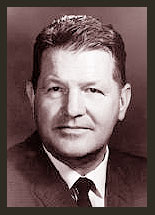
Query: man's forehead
52, 52
77, 59
83, 67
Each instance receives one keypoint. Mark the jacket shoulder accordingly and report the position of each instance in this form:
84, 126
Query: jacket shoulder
23, 170
133, 170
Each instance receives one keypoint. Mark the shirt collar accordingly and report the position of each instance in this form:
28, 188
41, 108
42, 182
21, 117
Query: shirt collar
70, 176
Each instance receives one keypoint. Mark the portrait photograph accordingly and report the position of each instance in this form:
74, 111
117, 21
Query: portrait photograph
76, 107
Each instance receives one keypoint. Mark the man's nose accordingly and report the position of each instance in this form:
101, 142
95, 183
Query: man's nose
75, 105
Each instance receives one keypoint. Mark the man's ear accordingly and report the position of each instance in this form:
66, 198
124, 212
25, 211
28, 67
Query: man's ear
124, 101
30, 93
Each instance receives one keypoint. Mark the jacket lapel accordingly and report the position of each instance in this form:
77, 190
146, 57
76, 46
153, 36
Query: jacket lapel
52, 191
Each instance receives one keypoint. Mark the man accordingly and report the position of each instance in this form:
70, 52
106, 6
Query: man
78, 93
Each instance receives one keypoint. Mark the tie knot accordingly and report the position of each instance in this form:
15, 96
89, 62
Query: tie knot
83, 185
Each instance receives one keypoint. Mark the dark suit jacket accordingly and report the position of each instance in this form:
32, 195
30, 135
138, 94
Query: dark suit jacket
33, 181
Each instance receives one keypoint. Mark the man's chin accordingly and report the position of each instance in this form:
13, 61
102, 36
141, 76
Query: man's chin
77, 154
71, 154
66, 152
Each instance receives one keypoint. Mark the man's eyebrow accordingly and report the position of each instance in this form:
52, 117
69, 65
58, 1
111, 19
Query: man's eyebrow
89, 83
52, 79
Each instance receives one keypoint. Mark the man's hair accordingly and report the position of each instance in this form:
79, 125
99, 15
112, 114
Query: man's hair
80, 33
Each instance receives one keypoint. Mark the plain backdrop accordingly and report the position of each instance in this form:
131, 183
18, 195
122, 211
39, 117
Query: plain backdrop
23, 25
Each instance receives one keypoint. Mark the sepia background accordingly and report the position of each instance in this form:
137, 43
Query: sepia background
23, 25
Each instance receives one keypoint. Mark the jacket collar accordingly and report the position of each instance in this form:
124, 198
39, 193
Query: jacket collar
52, 191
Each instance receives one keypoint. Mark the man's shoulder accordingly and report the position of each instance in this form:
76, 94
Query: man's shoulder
132, 166
25, 151
27, 165
29, 143
131, 170
126, 159
24, 156
17, 174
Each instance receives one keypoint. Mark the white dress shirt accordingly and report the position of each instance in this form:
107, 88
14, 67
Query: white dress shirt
98, 176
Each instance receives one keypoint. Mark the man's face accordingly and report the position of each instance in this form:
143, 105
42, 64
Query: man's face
77, 102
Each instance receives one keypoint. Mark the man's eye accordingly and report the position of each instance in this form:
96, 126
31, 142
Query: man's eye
54, 89
56, 92
93, 90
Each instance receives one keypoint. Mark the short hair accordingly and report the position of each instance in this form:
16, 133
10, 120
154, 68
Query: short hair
80, 32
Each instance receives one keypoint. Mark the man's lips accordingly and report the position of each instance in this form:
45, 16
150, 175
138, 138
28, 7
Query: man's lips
73, 129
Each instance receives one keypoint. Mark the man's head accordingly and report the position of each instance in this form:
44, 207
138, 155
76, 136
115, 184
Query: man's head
78, 89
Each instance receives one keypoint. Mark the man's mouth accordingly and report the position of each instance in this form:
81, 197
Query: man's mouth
73, 129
